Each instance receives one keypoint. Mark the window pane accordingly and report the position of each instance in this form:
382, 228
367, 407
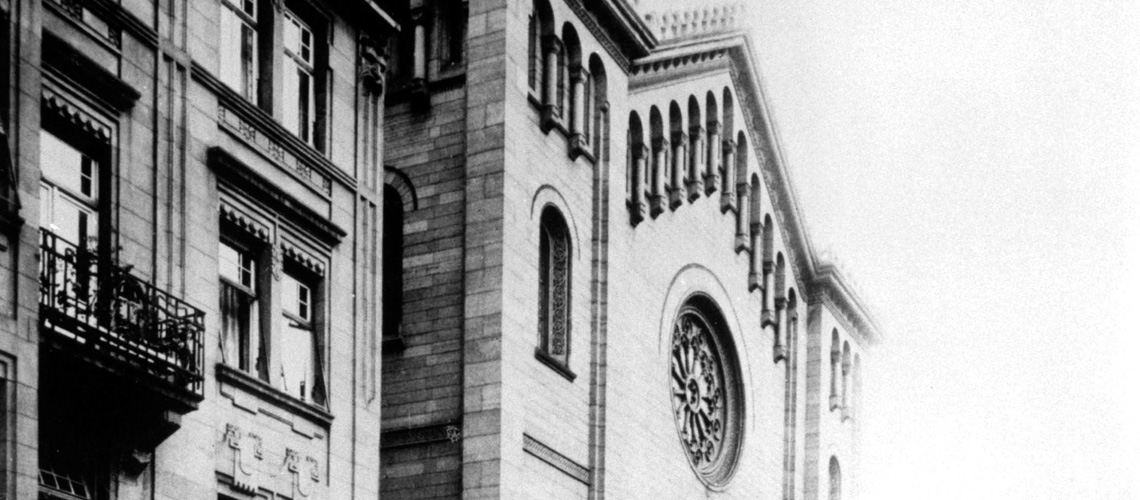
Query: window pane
237, 59
297, 359
64, 166
291, 89
237, 266
297, 298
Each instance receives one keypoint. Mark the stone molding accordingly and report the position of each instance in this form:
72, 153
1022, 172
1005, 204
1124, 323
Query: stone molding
557, 460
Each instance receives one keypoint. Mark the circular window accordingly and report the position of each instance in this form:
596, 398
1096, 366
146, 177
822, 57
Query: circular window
706, 393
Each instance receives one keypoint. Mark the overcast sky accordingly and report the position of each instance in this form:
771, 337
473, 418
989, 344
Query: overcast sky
973, 164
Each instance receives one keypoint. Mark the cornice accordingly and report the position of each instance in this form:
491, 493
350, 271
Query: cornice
830, 287
687, 57
240, 176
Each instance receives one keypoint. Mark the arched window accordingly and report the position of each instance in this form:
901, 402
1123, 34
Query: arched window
680, 145
392, 283
727, 151
756, 233
743, 192
833, 397
539, 24
635, 172
780, 304
696, 160
572, 80
597, 110
712, 146
846, 380
834, 480
659, 169
554, 287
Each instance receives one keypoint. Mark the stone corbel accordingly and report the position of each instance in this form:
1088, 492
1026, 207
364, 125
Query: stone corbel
373, 64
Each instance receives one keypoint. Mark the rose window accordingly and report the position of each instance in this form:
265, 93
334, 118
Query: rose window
705, 397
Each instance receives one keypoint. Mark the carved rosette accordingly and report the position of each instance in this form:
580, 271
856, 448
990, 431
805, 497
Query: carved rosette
706, 397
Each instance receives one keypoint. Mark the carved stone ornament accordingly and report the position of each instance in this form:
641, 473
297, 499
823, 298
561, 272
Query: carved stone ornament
706, 397
246, 453
305, 472
373, 64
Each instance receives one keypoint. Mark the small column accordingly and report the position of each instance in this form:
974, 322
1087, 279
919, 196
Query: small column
756, 262
637, 203
657, 200
418, 85
779, 350
676, 183
833, 399
728, 167
551, 46
846, 389
769, 293
742, 216
419, 57
696, 163
579, 142
712, 165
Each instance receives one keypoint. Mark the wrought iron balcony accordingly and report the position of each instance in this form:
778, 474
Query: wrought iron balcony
119, 320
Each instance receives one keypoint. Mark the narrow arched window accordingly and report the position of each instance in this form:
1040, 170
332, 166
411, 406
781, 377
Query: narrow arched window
393, 263
835, 480
554, 287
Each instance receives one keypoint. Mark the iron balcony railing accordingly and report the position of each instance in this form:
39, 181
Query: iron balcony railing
119, 318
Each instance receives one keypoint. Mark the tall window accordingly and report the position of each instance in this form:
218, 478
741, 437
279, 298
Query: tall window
299, 99
393, 260
299, 343
242, 342
554, 286
69, 191
534, 52
238, 51
250, 47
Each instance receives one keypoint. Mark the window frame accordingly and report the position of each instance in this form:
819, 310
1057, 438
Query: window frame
277, 260
553, 226
317, 394
248, 361
271, 58
247, 20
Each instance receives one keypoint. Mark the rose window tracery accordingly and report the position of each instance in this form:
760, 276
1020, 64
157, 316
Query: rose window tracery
705, 396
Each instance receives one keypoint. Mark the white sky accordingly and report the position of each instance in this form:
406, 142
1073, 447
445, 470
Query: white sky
973, 163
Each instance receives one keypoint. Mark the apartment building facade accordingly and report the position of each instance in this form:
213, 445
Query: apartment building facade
193, 192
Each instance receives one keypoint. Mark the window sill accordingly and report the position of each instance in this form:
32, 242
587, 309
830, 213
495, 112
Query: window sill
266, 392
554, 364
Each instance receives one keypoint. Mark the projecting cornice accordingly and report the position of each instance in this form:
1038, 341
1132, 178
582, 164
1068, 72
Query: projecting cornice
831, 287
732, 52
